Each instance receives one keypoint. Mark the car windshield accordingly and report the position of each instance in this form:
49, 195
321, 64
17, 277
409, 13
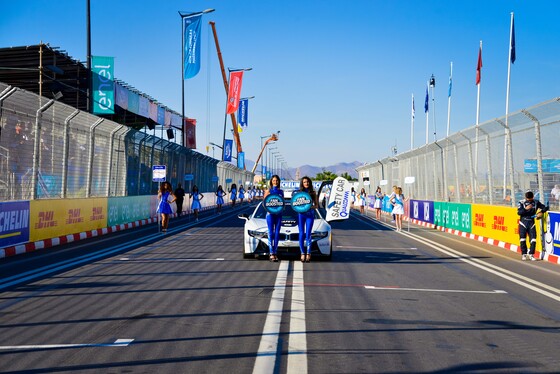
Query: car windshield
287, 214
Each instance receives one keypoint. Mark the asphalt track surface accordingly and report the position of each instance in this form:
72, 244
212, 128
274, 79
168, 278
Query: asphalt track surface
139, 301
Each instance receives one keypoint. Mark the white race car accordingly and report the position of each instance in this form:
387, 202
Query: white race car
256, 234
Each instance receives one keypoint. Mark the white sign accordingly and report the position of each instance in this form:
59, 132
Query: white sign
158, 173
338, 207
383, 182
409, 180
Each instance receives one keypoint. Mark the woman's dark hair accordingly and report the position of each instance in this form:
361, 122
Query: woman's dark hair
220, 188
194, 188
271, 178
234, 186
162, 187
310, 184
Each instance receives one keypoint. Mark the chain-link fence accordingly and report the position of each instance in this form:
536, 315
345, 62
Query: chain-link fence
80, 155
494, 163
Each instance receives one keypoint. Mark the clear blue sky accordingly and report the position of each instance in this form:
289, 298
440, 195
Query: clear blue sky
335, 77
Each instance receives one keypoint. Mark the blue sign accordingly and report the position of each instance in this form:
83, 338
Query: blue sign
274, 204
241, 160
229, 180
242, 112
102, 69
158, 173
14, 223
215, 178
228, 146
191, 51
549, 165
301, 202
422, 210
189, 177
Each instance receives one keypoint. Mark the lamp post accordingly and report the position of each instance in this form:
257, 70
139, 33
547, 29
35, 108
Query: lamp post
268, 158
235, 132
274, 153
183, 16
274, 137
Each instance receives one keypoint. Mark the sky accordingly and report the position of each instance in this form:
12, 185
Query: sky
336, 78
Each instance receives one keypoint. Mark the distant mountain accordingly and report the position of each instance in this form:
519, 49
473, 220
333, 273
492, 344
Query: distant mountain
312, 171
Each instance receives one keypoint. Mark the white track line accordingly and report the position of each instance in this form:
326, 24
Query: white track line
268, 348
297, 347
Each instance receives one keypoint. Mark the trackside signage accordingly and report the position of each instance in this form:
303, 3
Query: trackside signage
338, 207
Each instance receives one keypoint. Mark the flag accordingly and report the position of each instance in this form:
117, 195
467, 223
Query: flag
191, 49
228, 147
413, 110
426, 106
479, 66
242, 112
234, 92
189, 131
512, 54
450, 84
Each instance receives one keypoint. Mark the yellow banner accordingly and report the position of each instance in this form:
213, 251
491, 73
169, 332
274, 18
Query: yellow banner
54, 218
499, 223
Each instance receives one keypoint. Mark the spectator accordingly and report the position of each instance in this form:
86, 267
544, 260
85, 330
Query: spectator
179, 198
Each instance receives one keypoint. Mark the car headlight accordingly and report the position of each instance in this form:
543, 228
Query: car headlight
258, 234
319, 235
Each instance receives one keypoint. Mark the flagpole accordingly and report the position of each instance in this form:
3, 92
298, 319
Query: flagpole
449, 98
479, 71
412, 124
507, 110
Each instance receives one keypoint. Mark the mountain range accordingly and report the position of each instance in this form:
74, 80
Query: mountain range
312, 171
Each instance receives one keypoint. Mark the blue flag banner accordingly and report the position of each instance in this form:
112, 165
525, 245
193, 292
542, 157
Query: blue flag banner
512, 40
192, 46
426, 105
241, 160
263, 170
102, 69
228, 147
242, 112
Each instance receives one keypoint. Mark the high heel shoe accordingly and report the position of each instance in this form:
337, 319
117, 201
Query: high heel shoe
302, 258
308, 258
273, 258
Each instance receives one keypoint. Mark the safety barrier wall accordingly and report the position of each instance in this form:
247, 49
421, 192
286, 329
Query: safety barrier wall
493, 163
79, 155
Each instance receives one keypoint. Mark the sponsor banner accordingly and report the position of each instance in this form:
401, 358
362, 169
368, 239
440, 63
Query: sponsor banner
144, 106
190, 133
14, 223
161, 115
54, 218
242, 112
241, 160
338, 206
228, 146
133, 102
128, 209
497, 222
234, 92
191, 52
301, 202
122, 96
549, 165
274, 204
422, 210
552, 236
453, 216
102, 69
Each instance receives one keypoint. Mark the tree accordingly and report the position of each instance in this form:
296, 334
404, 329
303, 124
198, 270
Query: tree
348, 177
325, 175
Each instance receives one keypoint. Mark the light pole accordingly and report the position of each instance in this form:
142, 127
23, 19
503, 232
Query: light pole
235, 131
183, 16
268, 159
432, 86
274, 156
273, 137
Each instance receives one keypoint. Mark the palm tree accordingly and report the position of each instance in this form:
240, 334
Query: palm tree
325, 175
348, 177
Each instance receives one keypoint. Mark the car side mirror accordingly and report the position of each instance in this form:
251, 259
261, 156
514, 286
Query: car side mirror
243, 216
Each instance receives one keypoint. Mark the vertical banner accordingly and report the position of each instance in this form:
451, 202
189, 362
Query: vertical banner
191, 49
241, 160
263, 170
242, 112
228, 146
102, 69
189, 131
234, 92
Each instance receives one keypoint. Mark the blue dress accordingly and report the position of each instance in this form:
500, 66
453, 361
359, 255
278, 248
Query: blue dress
164, 207
233, 194
220, 197
196, 201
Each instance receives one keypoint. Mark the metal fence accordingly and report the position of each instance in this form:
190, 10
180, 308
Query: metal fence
494, 163
80, 155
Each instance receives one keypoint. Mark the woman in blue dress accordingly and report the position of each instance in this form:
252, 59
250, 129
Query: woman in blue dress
220, 193
274, 221
241, 194
305, 220
196, 196
233, 196
165, 196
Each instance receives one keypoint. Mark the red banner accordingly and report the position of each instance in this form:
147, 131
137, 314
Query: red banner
189, 131
234, 94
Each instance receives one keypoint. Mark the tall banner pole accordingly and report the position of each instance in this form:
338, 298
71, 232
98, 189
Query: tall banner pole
478, 79
426, 109
412, 124
511, 58
449, 98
